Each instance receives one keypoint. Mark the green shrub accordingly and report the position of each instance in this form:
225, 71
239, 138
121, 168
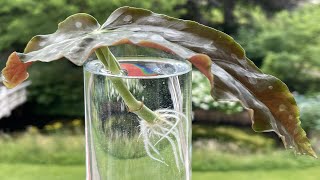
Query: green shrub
35, 148
31, 147
289, 43
309, 112
299, 74
56, 90
248, 34
201, 98
204, 159
233, 140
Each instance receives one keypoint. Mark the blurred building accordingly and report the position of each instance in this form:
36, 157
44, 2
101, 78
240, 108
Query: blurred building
12, 98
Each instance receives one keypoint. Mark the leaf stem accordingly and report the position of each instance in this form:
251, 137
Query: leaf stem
135, 106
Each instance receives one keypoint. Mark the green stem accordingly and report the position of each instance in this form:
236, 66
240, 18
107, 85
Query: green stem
135, 106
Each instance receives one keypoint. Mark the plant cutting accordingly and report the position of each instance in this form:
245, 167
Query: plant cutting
231, 74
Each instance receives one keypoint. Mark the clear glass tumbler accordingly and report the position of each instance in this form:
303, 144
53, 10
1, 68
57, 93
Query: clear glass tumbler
120, 145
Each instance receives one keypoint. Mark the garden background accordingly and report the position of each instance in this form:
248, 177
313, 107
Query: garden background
44, 137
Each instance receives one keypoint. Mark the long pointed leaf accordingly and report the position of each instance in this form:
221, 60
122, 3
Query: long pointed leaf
232, 76
269, 101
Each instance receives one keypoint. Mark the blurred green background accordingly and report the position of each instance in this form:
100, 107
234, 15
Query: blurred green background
44, 138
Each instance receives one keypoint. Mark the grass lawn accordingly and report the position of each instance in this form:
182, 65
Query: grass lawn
283, 174
38, 172
33, 156
77, 172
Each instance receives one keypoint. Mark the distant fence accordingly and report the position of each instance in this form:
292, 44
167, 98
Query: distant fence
11, 98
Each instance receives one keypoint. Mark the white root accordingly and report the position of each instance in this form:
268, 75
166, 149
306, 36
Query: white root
163, 128
171, 125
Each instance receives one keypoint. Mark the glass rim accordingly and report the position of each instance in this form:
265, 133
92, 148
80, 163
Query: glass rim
132, 58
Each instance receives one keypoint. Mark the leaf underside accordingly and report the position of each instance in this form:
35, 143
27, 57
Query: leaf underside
232, 75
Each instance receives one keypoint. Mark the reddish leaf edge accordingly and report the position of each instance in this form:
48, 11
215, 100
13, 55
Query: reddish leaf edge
15, 71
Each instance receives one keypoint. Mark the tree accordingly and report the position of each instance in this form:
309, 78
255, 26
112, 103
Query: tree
201, 10
288, 46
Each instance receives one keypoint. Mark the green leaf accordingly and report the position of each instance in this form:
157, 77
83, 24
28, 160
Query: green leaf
268, 100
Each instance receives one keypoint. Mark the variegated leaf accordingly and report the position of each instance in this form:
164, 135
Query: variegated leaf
271, 105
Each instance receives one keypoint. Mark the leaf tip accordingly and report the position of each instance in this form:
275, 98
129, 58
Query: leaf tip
309, 151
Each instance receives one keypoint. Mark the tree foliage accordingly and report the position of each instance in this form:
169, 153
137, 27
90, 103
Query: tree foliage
310, 114
22, 19
224, 14
289, 44
201, 98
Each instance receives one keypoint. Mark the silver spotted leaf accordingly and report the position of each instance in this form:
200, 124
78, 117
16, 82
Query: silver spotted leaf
271, 105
